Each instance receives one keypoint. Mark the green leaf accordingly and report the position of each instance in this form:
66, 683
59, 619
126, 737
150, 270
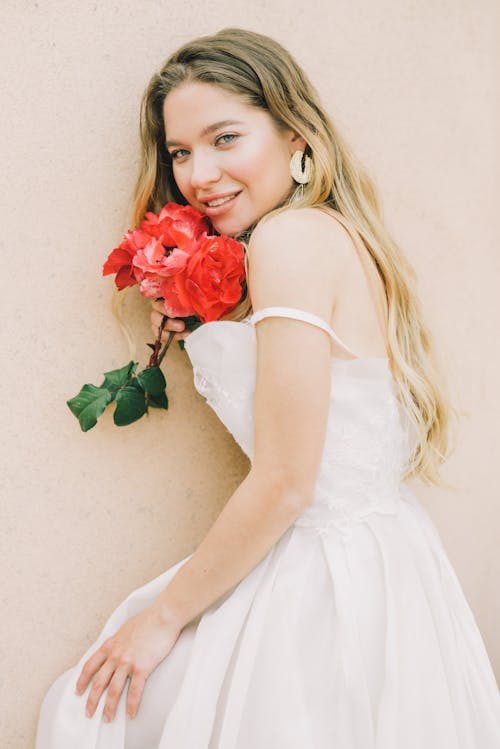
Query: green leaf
89, 404
118, 377
152, 380
191, 320
158, 401
130, 404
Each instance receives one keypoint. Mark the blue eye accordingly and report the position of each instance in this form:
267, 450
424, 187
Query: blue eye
174, 154
226, 135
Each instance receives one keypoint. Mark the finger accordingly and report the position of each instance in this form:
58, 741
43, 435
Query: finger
156, 320
166, 335
156, 330
170, 327
135, 690
99, 684
176, 336
115, 689
90, 667
160, 306
171, 323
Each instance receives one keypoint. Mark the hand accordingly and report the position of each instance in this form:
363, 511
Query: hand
173, 323
133, 652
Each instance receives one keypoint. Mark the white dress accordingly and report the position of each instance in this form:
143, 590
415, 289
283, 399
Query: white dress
353, 632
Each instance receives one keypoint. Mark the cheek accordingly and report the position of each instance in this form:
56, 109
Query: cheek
262, 168
182, 181
247, 164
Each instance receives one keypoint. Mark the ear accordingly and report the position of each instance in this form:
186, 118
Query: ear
295, 142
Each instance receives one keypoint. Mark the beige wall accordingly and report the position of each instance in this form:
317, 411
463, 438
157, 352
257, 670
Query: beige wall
85, 518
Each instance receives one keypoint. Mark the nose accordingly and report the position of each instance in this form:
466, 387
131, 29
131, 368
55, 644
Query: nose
204, 170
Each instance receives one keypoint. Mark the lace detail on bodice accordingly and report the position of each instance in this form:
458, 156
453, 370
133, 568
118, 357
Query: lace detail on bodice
367, 441
208, 384
361, 468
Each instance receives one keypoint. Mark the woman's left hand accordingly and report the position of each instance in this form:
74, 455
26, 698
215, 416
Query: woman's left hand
134, 651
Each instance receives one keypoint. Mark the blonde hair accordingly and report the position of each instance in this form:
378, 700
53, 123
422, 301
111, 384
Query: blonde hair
264, 74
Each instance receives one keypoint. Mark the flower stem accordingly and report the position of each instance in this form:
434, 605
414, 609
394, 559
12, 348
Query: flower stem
165, 348
157, 356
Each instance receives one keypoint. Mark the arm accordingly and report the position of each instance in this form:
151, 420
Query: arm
292, 262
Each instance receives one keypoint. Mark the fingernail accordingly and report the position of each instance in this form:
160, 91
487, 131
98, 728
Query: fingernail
106, 717
87, 712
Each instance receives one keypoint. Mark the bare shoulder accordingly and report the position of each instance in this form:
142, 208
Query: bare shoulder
304, 247
307, 227
300, 233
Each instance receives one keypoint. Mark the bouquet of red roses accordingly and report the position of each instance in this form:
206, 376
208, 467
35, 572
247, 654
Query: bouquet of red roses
173, 255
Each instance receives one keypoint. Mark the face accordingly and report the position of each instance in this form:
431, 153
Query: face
223, 148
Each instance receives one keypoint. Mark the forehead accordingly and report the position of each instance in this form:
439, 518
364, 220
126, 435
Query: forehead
191, 107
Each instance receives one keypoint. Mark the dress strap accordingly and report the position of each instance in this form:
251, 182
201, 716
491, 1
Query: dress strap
298, 314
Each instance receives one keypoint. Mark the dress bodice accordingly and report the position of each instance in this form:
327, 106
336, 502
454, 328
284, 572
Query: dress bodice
368, 439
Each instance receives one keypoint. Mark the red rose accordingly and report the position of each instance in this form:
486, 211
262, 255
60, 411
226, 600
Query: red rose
210, 285
150, 285
172, 256
153, 259
176, 225
120, 260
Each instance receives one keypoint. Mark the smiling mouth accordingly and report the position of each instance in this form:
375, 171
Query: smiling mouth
221, 201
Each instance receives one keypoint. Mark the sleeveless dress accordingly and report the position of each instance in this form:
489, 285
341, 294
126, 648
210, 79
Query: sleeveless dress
353, 631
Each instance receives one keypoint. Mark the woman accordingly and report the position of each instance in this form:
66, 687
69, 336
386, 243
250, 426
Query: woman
320, 609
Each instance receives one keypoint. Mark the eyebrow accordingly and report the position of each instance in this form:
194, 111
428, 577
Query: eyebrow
207, 130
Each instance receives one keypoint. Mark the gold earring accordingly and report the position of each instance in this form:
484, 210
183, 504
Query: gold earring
301, 167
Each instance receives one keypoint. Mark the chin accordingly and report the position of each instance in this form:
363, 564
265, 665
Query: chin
230, 228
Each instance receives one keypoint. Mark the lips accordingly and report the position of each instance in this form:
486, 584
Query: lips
219, 210
218, 196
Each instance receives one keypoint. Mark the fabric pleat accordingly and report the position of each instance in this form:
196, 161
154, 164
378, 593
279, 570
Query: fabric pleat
327, 642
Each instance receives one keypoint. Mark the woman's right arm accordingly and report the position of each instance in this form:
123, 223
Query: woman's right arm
173, 323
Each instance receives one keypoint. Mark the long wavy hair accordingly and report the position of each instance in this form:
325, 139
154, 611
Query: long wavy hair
264, 74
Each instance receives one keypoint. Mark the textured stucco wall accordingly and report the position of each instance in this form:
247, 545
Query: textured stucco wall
85, 518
